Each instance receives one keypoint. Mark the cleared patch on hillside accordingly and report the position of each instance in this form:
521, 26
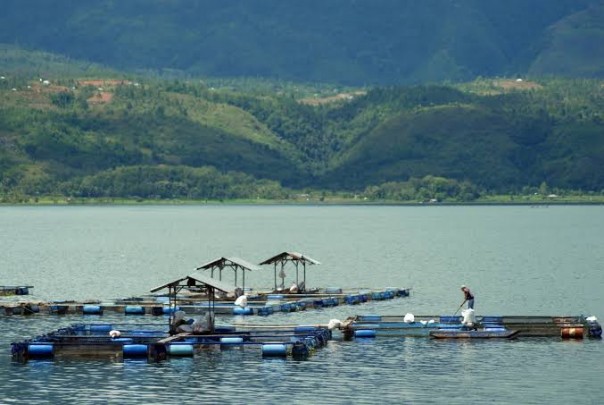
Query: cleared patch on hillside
338, 98
517, 84
102, 97
34, 95
103, 82
104, 89
498, 86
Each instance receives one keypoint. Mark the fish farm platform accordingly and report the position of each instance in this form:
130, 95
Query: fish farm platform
573, 327
263, 305
104, 341
117, 342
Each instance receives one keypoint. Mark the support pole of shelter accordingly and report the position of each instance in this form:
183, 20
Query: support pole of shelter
211, 307
282, 273
275, 276
171, 304
297, 280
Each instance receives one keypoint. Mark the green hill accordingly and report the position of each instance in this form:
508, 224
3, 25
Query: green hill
350, 42
119, 137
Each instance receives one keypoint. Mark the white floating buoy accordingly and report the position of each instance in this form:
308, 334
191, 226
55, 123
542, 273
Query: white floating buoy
333, 324
114, 333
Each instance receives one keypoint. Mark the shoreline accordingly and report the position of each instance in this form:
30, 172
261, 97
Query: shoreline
309, 202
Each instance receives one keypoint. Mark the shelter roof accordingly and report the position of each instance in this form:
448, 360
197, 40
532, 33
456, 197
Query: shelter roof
198, 278
292, 257
229, 262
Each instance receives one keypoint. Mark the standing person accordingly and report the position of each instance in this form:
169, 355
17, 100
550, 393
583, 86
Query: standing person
468, 296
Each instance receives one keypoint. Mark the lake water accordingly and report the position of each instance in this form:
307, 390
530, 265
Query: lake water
517, 260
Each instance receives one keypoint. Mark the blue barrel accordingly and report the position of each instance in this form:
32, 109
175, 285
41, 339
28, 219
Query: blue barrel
58, 309
274, 297
40, 350
449, 326
22, 291
167, 310
351, 299
286, 307
377, 295
180, 349
274, 350
264, 311
311, 342
122, 341
134, 310
300, 350
492, 319
92, 310
594, 329
231, 341
305, 329
449, 319
364, 333
243, 311
134, 350
100, 328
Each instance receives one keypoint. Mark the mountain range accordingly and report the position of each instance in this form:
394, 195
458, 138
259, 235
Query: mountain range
350, 42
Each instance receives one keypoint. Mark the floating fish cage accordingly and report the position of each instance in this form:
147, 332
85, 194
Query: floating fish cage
158, 306
104, 340
371, 326
6, 290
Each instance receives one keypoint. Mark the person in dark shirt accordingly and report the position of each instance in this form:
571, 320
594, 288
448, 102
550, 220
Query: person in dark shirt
468, 296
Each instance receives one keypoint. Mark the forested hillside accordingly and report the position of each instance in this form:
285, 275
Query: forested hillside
153, 138
350, 42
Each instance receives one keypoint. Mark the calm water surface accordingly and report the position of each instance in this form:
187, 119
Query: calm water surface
517, 260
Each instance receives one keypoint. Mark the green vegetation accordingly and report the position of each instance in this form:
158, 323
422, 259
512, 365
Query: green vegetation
349, 42
80, 138
465, 101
